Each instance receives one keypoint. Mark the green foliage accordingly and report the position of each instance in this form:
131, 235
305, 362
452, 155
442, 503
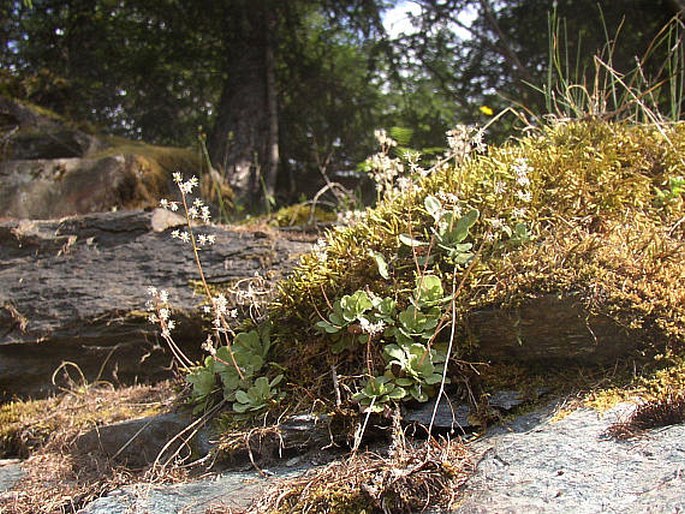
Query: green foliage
577, 208
350, 314
262, 395
413, 362
378, 392
672, 193
239, 371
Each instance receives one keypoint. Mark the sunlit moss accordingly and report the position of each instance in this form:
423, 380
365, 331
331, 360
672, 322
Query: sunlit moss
28, 424
597, 231
300, 214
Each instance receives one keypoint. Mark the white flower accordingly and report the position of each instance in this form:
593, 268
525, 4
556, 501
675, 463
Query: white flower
233, 313
518, 213
178, 178
164, 296
211, 239
499, 188
319, 250
220, 304
524, 196
208, 345
383, 139
152, 291
193, 213
521, 167
205, 214
523, 181
477, 141
166, 204
496, 223
187, 186
171, 324
206, 309
183, 236
371, 328
405, 184
164, 313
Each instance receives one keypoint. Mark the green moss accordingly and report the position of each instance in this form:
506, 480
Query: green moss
300, 214
15, 417
597, 230
26, 425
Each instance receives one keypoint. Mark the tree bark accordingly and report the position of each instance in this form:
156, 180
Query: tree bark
244, 140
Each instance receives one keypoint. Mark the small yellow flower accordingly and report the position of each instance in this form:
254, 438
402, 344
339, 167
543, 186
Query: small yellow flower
486, 110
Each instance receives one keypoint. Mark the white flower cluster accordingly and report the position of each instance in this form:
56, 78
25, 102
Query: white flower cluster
197, 211
219, 309
166, 204
371, 328
320, 250
349, 218
462, 140
384, 170
208, 345
384, 140
160, 312
187, 186
451, 201
521, 170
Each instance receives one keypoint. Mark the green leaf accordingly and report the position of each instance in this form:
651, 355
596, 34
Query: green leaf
397, 393
460, 231
355, 305
408, 241
433, 207
203, 382
381, 264
241, 408
261, 388
328, 328
242, 396
428, 290
392, 351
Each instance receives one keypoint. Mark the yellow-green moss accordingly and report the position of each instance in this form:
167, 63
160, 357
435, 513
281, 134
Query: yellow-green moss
598, 230
28, 424
300, 214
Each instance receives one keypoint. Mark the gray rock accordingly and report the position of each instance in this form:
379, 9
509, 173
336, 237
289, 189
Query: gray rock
536, 465
11, 472
237, 489
550, 330
75, 290
453, 417
139, 442
35, 135
54, 188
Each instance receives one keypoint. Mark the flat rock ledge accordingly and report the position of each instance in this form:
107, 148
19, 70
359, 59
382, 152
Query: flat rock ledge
532, 464
537, 465
75, 290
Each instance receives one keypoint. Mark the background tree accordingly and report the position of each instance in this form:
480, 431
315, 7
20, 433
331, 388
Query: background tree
289, 90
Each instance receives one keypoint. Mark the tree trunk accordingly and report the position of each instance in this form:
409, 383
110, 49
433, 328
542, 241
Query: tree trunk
244, 141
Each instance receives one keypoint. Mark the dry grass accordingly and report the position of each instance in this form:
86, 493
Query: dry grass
59, 478
663, 412
409, 479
